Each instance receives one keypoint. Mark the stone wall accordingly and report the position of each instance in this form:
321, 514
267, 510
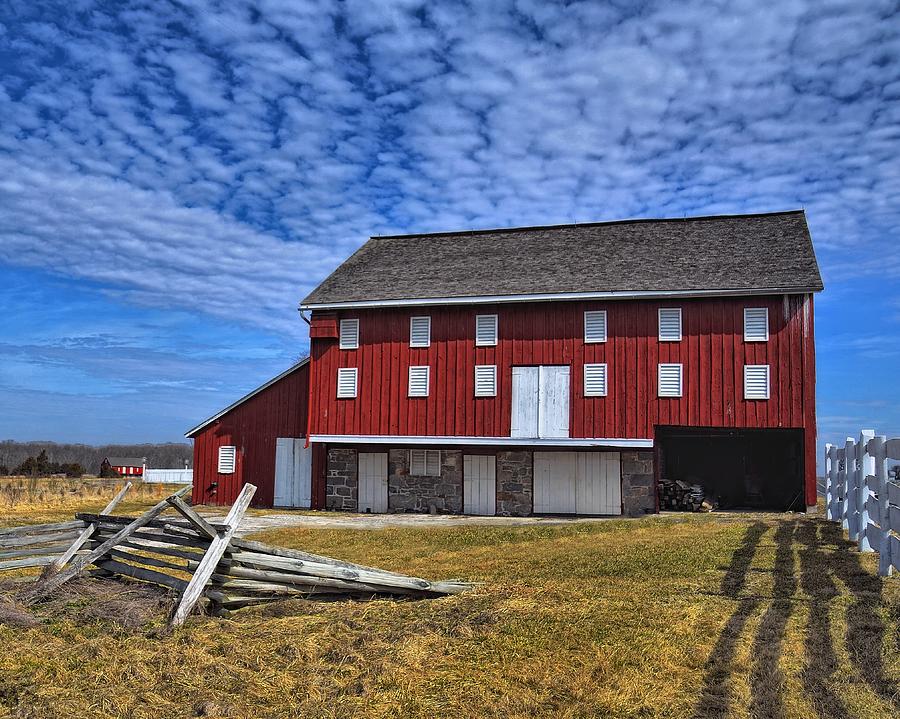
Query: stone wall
515, 483
637, 483
341, 480
411, 493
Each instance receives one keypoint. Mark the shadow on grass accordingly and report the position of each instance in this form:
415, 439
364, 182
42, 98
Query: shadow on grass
825, 558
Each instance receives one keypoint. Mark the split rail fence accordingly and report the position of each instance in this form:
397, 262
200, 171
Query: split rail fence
860, 494
201, 561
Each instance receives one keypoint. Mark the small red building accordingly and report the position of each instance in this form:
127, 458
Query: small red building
560, 370
126, 466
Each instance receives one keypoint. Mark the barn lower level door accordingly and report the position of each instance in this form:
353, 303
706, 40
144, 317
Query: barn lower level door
373, 482
293, 473
577, 483
479, 484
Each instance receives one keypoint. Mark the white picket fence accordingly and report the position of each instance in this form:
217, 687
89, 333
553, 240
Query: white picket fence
860, 495
169, 476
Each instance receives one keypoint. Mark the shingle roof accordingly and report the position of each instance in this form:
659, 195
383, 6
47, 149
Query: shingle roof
731, 253
125, 461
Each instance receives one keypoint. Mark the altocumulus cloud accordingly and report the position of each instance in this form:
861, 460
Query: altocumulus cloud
234, 152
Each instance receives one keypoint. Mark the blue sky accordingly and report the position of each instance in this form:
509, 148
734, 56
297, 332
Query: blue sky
176, 175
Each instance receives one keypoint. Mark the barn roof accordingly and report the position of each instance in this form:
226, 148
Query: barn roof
725, 254
125, 461
222, 413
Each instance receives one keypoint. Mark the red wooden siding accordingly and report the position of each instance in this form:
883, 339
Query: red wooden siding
712, 351
279, 410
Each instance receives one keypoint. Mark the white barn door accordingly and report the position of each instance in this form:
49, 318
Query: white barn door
540, 401
373, 482
479, 484
293, 473
577, 483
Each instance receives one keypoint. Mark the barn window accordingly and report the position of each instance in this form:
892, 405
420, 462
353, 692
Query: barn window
226, 460
420, 331
669, 380
418, 381
595, 326
349, 334
595, 380
346, 382
485, 330
756, 324
670, 324
486, 380
756, 381
425, 462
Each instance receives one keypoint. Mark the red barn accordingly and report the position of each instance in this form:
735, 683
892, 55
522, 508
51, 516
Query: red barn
126, 466
561, 370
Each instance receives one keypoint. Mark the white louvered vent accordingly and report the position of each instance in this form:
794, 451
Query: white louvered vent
346, 382
349, 334
418, 381
670, 324
486, 380
485, 330
425, 462
595, 326
595, 380
669, 380
226, 460
756, 381
420, 331
756, 324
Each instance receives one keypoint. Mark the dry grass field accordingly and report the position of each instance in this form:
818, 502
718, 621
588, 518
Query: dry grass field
675, 616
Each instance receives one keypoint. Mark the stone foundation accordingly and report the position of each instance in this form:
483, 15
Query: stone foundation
411, 493
342, 480
515, 483
638, 495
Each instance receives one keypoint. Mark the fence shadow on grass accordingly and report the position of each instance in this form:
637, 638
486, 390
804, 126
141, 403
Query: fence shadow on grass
826, 561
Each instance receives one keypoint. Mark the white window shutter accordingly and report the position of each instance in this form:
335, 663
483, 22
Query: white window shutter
756, 381
756, 324
425, 462
595, 380
418, 381
595, 326
670, 324
226, 459
486, 380
349, 334
420, 331
346, 382
669, 380
485, 330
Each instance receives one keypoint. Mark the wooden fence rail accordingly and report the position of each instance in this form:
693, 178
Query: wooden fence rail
861, 495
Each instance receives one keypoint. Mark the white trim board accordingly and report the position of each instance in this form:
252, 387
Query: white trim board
516, 441
494, 299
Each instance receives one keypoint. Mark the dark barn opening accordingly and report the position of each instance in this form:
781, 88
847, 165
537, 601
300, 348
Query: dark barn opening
737, 468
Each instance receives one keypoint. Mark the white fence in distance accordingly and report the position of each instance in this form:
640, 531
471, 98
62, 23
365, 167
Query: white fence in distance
860, 495
169, 476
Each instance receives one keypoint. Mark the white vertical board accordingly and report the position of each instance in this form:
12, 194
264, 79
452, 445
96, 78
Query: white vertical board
553, 402
577, 483
293, 473
525, 390
479, 484
373, 482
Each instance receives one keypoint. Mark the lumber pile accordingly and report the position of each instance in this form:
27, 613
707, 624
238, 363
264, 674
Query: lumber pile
678, 496
201, 562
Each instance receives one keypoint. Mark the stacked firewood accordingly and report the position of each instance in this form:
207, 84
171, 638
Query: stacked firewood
678, 496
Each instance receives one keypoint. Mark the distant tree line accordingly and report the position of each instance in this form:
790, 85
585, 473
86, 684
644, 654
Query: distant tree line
40, 466
16, 456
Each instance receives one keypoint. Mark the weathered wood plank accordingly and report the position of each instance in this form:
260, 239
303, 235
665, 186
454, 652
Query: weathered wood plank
225, 577
163, 551
35, 551
53, 582
198, 522
264, 561
30, 541
24, 563
113, 519
89, 530
149, 561
207, 567
27, 529
161, 537
147, 575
